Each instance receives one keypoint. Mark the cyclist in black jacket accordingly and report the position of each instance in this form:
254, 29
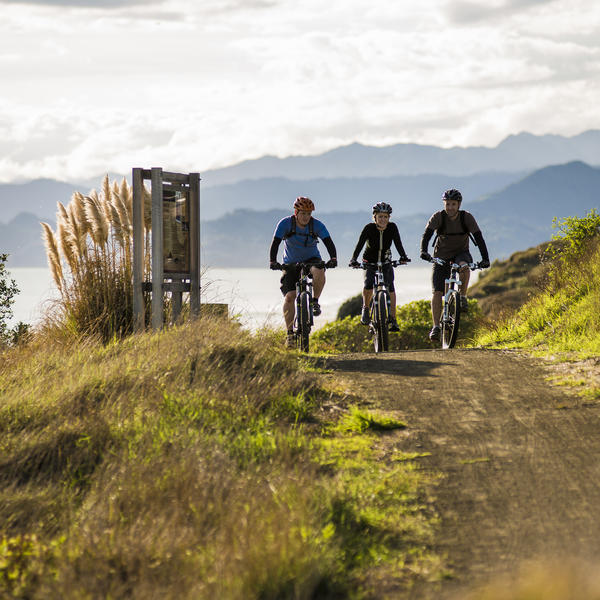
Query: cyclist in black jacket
378, 237
454, 230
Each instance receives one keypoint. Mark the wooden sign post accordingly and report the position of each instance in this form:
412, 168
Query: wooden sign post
175, 243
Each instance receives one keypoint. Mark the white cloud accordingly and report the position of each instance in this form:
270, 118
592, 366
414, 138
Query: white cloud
95, 89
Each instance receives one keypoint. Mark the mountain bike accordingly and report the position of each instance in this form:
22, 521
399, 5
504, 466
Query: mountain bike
304, 320
451, 302
379, 309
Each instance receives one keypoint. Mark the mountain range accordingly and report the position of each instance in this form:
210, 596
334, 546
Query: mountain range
516, 153
514, 190
514, 218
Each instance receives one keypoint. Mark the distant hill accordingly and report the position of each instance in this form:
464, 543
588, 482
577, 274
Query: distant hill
509, 283
21, 239
409, 194
523, 152
515, 217
517, 153
37, 197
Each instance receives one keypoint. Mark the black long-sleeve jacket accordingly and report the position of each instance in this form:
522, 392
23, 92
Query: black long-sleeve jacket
378, 243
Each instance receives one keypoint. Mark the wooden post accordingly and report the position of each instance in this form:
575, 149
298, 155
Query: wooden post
157, 248
194, 198
175, 306
139, 316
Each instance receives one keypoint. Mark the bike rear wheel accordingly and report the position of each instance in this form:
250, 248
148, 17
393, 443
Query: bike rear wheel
303, 316
450, 321
380, 324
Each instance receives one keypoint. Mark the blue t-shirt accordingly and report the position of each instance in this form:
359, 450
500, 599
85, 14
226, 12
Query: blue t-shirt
302, 246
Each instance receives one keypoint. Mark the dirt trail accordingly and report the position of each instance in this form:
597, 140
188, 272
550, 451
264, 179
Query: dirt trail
520, 458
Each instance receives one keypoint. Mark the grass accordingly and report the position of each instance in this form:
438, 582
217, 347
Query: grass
561, 318
193, 463
414, 321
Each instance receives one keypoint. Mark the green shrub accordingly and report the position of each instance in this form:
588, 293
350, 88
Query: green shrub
563, 315
414, 321
351, 307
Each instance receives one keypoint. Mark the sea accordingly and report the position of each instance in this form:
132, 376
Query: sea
252, 294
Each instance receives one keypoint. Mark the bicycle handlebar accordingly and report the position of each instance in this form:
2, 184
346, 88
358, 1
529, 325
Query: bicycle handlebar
393, 263
440, 261
319, 265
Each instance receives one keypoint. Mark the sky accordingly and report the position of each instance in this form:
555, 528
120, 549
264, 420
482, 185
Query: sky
96, 86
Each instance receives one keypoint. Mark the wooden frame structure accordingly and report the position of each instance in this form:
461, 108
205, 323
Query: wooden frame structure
188, 280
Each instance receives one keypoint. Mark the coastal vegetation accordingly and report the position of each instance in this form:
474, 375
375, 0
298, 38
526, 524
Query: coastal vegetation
205, 461
90, 258
8, 291
562, 316
201, 461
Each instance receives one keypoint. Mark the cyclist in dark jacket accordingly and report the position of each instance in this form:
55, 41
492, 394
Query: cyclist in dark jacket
454, 228
378, 237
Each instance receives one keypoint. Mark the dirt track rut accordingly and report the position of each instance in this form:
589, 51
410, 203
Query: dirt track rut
520, 458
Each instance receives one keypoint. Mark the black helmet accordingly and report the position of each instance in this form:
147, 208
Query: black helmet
382, 207
452, 195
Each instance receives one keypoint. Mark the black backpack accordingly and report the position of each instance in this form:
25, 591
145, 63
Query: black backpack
441, 230
311, 230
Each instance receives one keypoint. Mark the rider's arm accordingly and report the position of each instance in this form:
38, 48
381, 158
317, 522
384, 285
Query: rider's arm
274, 248
330, 247
427, 234
398, 243
361, 242
481, 245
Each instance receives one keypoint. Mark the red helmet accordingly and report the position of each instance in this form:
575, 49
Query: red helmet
304, 203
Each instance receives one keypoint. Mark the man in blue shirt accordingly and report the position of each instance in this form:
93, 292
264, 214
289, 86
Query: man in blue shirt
300, 233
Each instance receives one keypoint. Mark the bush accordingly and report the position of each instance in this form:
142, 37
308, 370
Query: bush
563, 315
351, 307
90, 258
414, 320
8, 291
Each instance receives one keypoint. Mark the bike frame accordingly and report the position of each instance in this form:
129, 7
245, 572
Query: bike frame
379, 310
304, 318
450, 317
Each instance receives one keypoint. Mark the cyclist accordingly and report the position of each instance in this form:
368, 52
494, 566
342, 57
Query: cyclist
300, 233
378, 237
454, 228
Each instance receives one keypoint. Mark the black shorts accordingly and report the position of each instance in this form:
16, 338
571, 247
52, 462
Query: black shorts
388, 277
290, 277
442, 272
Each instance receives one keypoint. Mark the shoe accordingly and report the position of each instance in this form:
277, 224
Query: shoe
464, 304
364, 317
316, 308
435, 333
393, 325
290, 340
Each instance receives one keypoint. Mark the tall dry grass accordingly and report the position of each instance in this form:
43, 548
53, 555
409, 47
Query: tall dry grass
196, 462
90, 258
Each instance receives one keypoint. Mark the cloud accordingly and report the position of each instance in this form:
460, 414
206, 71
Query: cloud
226, 80
466, 13
84, 3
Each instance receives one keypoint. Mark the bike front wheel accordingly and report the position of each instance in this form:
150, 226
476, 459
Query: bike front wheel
380, 324
303, 317
450, 320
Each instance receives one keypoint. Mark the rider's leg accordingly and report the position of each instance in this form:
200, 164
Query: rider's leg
367, 297
393, 305
318, 276
465, 275
436, 308
289, 309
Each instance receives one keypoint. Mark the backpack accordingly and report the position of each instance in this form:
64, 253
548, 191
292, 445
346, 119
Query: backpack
441, 230
311, 230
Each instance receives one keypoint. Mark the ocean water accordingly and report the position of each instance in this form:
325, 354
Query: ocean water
253, 295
